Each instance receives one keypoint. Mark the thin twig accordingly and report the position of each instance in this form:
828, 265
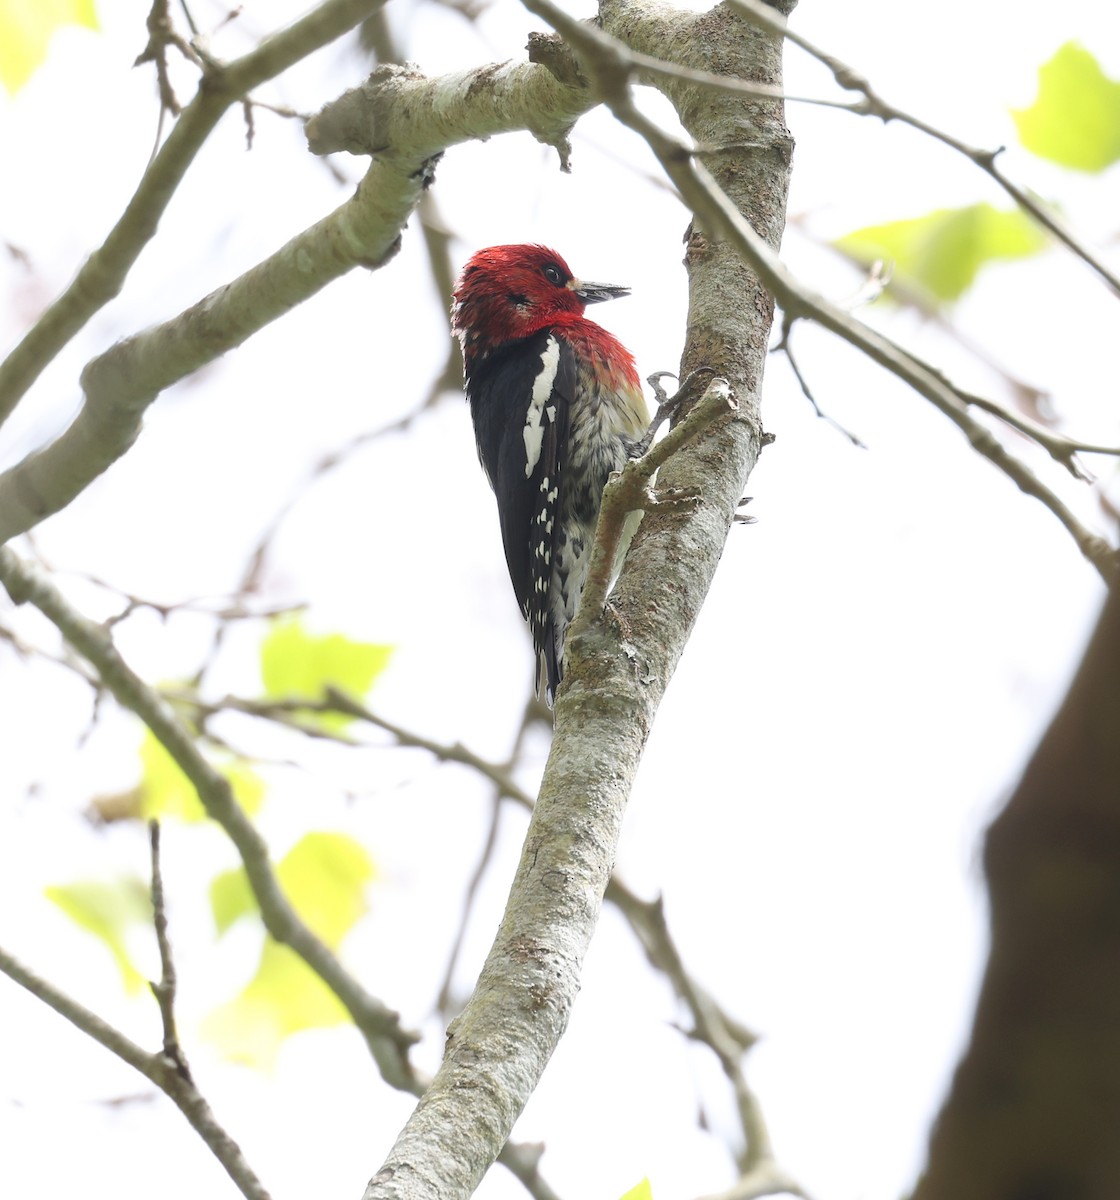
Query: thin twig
444, 998
164, 991
1061, 449
547, 50
727, 1038
787, 349
874, 105
156, 1068
531, 714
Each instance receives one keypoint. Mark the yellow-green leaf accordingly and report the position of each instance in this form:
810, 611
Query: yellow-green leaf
296, 664
1075, 121
108, 911
938, 256
324, 875
166, 792
642, 1192
231, 898
26, 28
282, 998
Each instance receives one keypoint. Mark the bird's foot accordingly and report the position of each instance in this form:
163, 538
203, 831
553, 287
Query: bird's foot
667, 405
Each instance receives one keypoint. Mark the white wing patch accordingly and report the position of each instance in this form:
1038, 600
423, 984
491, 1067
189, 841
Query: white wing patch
542, 391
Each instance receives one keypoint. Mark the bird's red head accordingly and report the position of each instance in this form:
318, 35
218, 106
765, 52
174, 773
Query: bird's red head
510, 292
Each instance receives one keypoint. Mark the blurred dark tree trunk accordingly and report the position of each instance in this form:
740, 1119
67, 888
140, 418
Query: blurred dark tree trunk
1034, 1112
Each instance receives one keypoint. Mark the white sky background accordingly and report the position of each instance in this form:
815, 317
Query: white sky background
877, 656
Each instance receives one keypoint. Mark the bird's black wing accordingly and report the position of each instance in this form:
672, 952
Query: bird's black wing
520, 399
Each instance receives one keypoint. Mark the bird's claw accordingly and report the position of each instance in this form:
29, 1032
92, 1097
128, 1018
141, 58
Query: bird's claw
654, 382
667, 405
741, 518
687, 499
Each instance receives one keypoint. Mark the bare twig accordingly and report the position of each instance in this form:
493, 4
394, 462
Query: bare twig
164, 991
161, 34
787, 349
551, 52
159, 1069
444, 999
523, 1160
1062, 449
533, 712
729, 1040
449, 376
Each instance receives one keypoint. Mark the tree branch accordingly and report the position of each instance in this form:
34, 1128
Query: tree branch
407, 121
102, 275
500, 1044
164, 991
387, 1040
400, 109
631, 491
760, 1174
713, 207
164, 1072
121, 384
712, 1025
875, 106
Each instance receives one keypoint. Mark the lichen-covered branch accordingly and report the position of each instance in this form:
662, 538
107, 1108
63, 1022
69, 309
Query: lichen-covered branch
400, 109
500, 1044
120, 384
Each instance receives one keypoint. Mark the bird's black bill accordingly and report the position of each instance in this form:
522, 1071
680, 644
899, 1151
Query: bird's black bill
593, 293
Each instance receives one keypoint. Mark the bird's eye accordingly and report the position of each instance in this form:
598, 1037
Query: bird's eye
554, 275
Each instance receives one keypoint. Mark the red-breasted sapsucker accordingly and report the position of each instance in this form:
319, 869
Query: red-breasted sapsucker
557, 406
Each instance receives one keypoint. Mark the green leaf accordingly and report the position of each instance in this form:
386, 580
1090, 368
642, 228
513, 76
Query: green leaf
231, 898
324, 875
296, 664
26, 28
108, 911
283, 997
1075, 121
642, 1192
939, 255
166, 792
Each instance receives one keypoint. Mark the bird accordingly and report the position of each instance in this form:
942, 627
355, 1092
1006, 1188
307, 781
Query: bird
556, 406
